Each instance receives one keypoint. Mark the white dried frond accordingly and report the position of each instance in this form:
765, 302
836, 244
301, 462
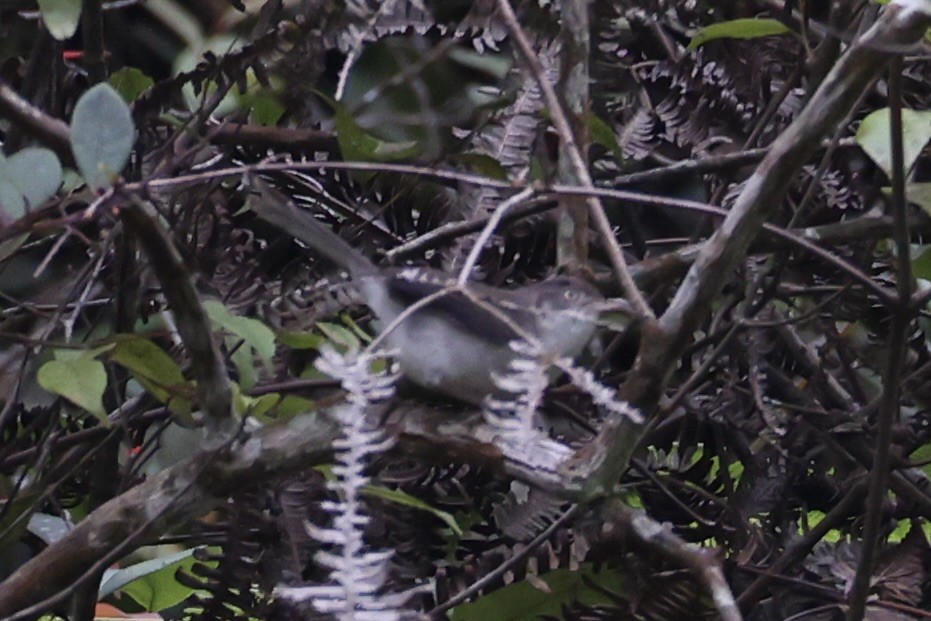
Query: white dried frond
357, 574
356, 35
355, 374
509, 139
600, 394
514, 421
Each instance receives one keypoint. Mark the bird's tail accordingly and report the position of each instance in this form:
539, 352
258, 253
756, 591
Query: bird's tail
273, 206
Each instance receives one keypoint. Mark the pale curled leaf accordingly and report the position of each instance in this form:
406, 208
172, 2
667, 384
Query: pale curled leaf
27, 179
61, 17
874, 137
102, 135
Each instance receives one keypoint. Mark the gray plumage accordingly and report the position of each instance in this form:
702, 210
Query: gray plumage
453, 345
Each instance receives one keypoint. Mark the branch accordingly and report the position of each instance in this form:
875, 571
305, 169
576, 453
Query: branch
194, 486
47, 129
165, 500
618, 521
213, 387
895, 353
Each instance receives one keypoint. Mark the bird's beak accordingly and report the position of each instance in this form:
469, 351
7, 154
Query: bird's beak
615, 314
615, 305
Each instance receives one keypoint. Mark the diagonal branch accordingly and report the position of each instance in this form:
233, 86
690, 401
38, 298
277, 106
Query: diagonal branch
207, 366
167, 499
901, 24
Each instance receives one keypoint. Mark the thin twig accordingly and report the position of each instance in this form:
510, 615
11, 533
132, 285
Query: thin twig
898, 25
563, 128
797, 549
801, 240
488, 579
487, 232
892, 374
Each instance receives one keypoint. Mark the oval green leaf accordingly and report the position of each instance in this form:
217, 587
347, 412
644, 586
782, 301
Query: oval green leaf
158, 372
147, 360
919, 193
130, 82
102, 135
256, 334
746, 28
79, 380
406, 500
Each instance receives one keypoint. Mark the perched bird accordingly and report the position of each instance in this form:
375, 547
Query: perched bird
458, 342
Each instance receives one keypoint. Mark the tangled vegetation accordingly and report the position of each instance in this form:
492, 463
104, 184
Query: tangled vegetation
198, 417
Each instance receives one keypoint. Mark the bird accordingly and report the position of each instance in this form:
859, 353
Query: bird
457, 340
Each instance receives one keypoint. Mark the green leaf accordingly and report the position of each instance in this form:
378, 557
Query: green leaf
300, 339
146, 359
81, 380
745, 28
28, 178
349, 322
494, 66
602, 134
11, 199
522, 601
130, 82
156, 588
256, 336
77, 354
483, 164
402, 98
338, 334
292, 406
245, 366
116, 579
922, 455
61, 17
253, 332
158, 372
260, 101
921, 263
358, 145
874, 137
36, 172
9, 247
404, 499
257, 407
102, 135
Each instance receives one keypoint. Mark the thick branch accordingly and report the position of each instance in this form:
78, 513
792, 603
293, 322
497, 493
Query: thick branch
174, 495
213, 387
194, 486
